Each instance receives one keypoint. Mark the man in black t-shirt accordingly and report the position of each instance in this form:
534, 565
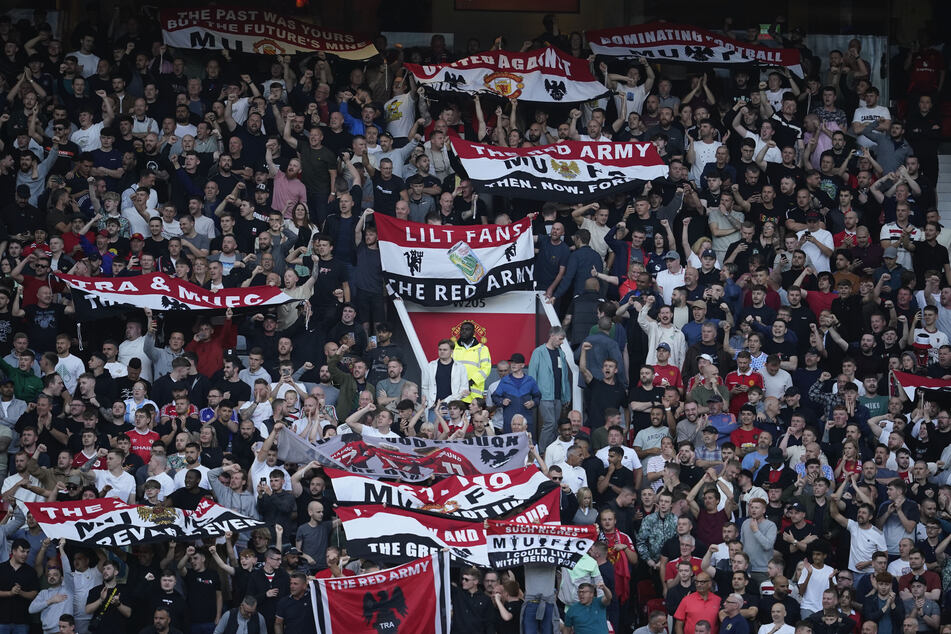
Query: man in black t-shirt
387, 188
14, 609
604, 393
105, 603
202, 591
332, 276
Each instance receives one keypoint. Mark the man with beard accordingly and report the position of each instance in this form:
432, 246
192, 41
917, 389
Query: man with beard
104, 602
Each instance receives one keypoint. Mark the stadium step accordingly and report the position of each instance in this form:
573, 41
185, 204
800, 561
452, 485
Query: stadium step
943, 188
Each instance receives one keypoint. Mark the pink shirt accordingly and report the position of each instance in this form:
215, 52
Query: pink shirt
286, 190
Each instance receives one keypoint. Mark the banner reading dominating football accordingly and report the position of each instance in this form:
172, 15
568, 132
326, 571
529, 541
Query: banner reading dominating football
407, 459
413, 598
436, 265
512, 544
251, 31
480, 497
544, 75
111, 522
572, 171
667, 42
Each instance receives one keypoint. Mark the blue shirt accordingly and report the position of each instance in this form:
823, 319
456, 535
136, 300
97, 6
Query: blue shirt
735, 625
587, 619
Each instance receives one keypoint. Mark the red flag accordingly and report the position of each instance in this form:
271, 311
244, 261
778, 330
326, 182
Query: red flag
412, 598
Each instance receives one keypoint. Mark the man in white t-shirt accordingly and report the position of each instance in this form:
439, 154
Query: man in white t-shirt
400, 110
192, 461
772, 152
870, 113
616, 439
701, 152
866, 538
893, 233
87, 61
816, 242
87, 136
113, 481
814, 579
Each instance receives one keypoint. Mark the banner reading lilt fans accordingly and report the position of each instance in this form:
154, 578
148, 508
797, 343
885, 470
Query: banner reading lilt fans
480, 497
512, 544
544, 75
111, 522
412, 598
571, 171
257, 31
435, 265
97, 298
669, 42
408, 459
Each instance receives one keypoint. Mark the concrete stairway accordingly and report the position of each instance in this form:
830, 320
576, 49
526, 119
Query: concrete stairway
943, 192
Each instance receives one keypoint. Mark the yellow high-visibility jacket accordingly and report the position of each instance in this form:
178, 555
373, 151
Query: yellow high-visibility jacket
478, 363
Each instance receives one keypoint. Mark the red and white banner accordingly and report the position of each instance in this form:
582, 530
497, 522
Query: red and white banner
910, 383
265, 32
111, 522
158, 291
571, 171
408, 459
384, 533
506, 323
512, 544
671, 43
436, 265
475, 498
543, 75
413, 598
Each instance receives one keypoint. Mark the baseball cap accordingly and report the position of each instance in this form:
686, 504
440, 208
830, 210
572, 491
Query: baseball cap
270, 315
706, 357
137, 236
708, 253
791, 391
23, 191
715, 398
890, 252
813, 215
262, 187
710, 429
919, 579
517, 357
672, 255
103, 232
697, 303
796, 506
664, 346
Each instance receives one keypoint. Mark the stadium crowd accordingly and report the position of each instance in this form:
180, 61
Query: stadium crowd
742, 448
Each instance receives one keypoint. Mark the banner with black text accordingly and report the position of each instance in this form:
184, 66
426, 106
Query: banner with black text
111, 522
571, 171
512, 544
436, 265
542, 75
672, 43
244, 30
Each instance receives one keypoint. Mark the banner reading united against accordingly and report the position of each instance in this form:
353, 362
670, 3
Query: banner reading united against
436, 265
571, 171
667, 42
479, 497
111, 522
413, 598
257, 31
513, 544
407, 459
543, 75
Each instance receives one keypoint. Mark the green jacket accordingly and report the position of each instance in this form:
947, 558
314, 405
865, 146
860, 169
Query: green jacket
26, 385
349, 393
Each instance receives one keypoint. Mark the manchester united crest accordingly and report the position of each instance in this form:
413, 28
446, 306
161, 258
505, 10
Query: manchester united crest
508, 85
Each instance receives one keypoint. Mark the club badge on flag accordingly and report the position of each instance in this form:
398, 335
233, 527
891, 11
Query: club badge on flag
571, 171
257, 31
412, 598
111, 522
438, 265
407, 459
475, 498
543, 75
513, 544
671, 43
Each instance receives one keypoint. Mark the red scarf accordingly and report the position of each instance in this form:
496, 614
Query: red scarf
622, 567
